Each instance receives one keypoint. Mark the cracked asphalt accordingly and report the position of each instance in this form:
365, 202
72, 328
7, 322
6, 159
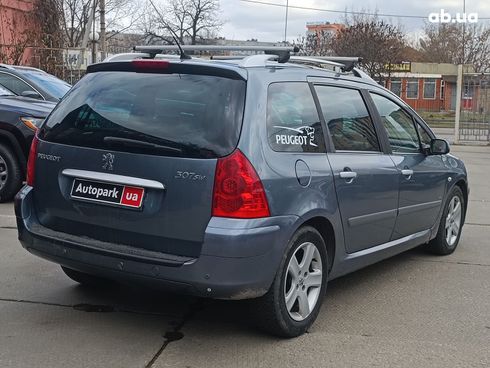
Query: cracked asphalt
414, 310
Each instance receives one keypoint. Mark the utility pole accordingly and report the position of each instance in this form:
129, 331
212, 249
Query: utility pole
459, 92
460, 81
286, 22
103, 45
94, 41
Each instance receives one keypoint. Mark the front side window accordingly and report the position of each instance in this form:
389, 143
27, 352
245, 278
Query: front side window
293, 124
16, 85
425, 138
429, 89
347, 118
399, 126
53, 85
413, 89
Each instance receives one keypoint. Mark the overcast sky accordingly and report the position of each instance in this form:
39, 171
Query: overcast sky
266, 23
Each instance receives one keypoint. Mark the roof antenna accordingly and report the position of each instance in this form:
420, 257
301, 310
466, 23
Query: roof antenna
183, 55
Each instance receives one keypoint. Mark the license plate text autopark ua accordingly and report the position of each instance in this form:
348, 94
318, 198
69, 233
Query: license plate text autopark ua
115, 194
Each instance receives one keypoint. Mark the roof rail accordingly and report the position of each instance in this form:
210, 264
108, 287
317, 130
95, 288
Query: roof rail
313, 61
138, 55
6, 66
348, 62
257, 60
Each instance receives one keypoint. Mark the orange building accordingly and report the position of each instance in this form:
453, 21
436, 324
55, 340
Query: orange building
17, 30
318, 28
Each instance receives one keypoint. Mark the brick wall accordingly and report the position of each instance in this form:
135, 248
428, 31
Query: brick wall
16, 27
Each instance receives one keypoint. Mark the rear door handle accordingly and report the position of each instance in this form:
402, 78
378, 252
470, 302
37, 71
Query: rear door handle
348, 174
407, 172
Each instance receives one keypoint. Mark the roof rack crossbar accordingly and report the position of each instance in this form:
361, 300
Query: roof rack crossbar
158, 49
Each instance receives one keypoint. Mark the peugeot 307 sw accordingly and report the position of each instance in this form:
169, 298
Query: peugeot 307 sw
257, 178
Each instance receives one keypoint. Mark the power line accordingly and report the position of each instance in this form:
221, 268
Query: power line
343, 11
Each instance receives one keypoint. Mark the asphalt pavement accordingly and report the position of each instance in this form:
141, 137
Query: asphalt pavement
413, 310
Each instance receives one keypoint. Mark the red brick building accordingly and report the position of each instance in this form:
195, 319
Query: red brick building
318, 28
429, 86
17, 30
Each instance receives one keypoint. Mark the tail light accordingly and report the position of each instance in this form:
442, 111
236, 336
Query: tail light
31, 162
238, 191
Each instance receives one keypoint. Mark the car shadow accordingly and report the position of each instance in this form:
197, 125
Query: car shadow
233, 317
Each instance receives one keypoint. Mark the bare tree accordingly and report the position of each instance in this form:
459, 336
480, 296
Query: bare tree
316, 44
189, 19
453, 43
75, 14
380, 44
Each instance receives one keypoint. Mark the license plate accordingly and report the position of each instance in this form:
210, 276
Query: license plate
115, 194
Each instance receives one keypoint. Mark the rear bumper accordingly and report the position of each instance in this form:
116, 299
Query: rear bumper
239, 258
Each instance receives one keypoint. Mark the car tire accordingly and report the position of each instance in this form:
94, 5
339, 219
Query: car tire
86, 279
10, 174
293, 302
451, 224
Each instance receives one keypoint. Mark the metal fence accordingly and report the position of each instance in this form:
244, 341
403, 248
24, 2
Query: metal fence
474, 123
66, 64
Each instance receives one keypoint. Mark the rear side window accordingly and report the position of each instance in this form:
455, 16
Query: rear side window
347, 119
293, 124
196, 116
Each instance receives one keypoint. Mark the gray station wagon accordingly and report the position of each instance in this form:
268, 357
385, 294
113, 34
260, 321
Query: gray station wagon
262, 178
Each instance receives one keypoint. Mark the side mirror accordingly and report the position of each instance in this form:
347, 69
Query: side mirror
439, 147
31, 94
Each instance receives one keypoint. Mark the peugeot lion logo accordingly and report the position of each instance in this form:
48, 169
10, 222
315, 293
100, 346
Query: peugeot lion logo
108, 160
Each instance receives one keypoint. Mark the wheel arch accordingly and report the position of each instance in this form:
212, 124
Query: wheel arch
464, 188
11, 142
326, 230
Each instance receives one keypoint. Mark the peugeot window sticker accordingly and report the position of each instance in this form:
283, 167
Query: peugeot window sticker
305, 139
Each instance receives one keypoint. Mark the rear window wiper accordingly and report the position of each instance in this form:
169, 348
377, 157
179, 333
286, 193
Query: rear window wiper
126, 142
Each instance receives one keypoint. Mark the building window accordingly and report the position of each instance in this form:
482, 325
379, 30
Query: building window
429, 89
396, 87
442, 90
413, 89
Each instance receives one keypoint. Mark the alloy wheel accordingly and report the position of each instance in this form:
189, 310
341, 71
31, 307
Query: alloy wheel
453, 220
3, 173
303, 281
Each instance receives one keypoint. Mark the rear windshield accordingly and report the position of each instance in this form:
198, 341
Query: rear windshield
186, 115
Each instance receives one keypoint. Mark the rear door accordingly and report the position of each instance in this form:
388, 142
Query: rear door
366, 179
422, 177
129, 157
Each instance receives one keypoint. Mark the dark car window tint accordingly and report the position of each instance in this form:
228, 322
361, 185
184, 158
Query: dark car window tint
162, 114
347, 119
14, 84
398, 124
293, 124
